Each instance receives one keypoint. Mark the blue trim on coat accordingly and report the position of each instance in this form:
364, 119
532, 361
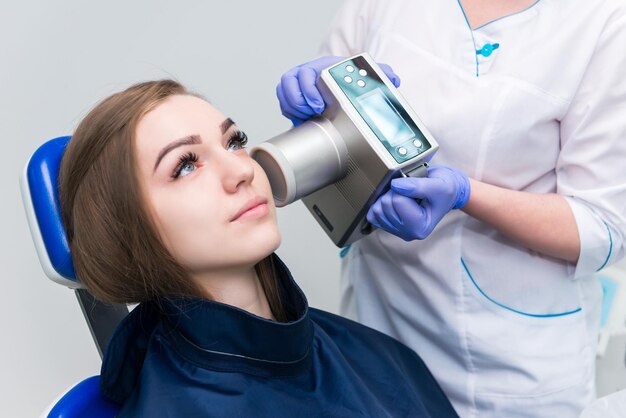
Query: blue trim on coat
610, 247
488, 23
511, 309
471, 32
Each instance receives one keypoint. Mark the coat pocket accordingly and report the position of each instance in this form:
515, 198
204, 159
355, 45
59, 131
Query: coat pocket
525, 328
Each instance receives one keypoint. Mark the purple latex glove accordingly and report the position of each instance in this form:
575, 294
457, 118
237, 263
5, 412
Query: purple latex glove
298, 95
414, 206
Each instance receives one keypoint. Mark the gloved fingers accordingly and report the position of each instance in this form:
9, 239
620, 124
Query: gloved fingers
413, 187
410, 210
323, 62
288, 111
455, 180
389, 228
445, 175
393, 77
424, 187
416, 216
293, 94
376, 217
387, 206
307, 78
293, 98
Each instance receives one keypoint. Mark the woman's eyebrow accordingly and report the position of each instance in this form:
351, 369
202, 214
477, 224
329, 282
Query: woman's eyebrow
188, 140
228, 122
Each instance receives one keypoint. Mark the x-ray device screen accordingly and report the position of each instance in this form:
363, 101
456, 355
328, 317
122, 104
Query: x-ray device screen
341, 161
380, 114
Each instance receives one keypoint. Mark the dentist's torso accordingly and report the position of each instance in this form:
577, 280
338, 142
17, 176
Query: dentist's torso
506, 331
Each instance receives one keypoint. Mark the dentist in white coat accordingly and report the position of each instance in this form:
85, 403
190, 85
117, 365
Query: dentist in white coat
490, 276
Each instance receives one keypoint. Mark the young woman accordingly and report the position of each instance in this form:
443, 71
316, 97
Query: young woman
163, 206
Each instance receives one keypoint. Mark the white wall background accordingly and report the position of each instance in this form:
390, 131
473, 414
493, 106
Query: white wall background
57, 59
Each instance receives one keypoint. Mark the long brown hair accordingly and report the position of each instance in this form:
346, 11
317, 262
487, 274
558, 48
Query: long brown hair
117, 253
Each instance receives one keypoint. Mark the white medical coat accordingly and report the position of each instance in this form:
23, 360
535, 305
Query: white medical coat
507, 332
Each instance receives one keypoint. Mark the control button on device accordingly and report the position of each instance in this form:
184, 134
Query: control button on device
402, 151
417, 143
347, 79
360, 83
362, 72
349, 68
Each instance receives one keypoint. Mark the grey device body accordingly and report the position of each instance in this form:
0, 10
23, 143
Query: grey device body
340, 162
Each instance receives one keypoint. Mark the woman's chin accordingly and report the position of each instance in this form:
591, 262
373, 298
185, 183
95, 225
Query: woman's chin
260, 245
270, 243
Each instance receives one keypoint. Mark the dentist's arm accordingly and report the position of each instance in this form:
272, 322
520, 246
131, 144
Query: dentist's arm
542, 222
414, 206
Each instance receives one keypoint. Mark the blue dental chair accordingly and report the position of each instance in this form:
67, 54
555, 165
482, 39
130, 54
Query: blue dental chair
38, 185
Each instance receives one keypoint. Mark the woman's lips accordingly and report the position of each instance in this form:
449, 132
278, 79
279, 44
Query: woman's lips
255, 208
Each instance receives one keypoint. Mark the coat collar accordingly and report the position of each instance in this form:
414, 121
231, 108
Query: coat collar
219, 336
211, 335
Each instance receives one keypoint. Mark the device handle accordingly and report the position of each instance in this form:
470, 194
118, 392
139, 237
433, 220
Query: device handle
419, 171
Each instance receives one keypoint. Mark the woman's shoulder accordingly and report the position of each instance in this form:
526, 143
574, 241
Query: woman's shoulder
124, 354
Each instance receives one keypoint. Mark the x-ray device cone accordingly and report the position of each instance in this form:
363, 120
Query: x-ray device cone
340, 162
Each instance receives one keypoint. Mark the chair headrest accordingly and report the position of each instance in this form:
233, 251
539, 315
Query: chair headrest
38, 185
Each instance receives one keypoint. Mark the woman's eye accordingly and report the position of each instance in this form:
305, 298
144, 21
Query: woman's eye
234, 146
186, 169
237, 141
186, 164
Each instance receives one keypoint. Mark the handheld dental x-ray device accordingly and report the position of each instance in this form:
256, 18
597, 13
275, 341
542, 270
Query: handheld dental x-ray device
340, 162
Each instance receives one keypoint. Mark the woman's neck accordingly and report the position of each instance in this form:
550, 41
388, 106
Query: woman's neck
240, 288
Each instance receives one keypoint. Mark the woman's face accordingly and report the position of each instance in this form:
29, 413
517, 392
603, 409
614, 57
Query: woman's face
212, 203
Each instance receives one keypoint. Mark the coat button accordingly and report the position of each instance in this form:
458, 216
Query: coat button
487, 49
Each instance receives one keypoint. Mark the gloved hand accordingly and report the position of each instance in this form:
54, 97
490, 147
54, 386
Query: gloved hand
399, 213
298, 95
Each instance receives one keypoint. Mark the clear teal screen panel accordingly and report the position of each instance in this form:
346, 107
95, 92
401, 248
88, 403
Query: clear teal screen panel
380, 109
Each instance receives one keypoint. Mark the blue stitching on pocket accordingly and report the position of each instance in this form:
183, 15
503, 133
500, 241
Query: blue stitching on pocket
511, 309
610, 247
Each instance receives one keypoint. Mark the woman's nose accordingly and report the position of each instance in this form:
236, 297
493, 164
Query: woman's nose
238, 169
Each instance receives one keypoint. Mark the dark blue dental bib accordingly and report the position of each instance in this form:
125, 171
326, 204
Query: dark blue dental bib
186, 357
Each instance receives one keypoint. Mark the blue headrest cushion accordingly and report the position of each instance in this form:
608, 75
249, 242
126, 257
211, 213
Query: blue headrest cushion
42, 173
85, 400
